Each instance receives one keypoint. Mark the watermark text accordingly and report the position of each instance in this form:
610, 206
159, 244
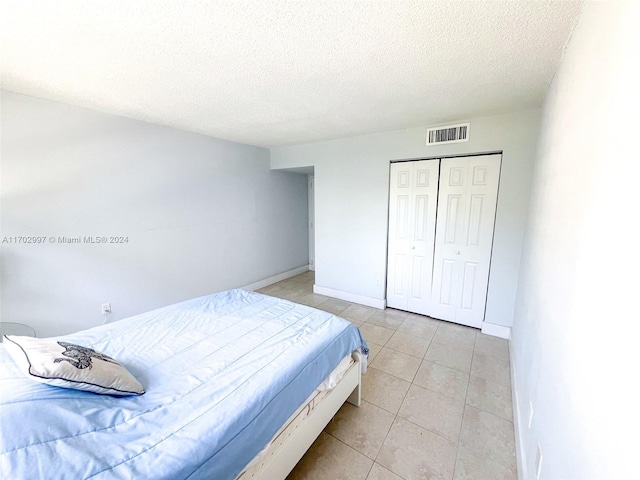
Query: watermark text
63, 240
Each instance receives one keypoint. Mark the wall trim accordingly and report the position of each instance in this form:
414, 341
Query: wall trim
276, 278
496, 330
351, 297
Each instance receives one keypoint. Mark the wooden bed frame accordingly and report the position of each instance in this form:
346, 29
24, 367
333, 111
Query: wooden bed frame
290, 445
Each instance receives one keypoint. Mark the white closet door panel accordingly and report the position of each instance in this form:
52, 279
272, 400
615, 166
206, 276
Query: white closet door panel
398, 285
425, 195
399, 234
445, 281
484, 176
469, 282
413, 191
464, 235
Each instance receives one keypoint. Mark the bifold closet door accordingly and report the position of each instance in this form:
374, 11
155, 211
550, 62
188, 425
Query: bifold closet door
467, 197
413, 192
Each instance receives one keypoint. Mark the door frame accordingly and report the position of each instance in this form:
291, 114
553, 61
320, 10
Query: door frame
439, 157
312, 221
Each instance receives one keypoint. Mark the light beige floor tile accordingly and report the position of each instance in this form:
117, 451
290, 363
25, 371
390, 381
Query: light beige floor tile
433, 321
384, 390
264, 291
312, 299
378, 472
302, 289
388, 318
415, 453
471, 466
291, 282
490, 368
375, 333
490, 397
443, 380
422, 327
486, 449
328, 458
374, 349
301, 280
457, 336
333, 305
358, 312
397, 364
292, 295
274, 289
435, 412
410, 344
452, 357
490, 435
363, 428
492, 346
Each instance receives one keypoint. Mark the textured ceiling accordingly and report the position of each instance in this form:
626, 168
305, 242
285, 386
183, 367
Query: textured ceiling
282, 72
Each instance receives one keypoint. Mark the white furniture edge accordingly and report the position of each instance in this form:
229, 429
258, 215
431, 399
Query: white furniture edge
276, 278
350, 297
285, 455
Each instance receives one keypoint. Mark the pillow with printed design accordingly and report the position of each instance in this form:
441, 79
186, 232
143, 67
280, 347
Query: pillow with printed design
67, 365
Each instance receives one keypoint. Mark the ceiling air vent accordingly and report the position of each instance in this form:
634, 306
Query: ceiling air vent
448, 134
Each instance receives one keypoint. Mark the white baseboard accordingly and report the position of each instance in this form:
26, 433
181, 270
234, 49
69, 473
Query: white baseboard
276, 278
350, 297
496, 330
520, 454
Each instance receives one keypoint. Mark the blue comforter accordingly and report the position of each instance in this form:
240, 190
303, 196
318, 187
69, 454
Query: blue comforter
222, 373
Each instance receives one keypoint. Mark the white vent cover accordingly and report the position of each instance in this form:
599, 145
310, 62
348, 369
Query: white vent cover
448, 134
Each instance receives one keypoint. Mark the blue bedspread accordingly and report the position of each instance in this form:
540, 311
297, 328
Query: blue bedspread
222, 373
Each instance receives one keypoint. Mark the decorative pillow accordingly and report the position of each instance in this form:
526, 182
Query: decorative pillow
67, 365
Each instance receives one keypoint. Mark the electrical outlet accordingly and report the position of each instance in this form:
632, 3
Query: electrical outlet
106, 308
377, 282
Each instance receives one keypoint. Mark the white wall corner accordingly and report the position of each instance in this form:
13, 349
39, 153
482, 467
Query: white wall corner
276, 278
351, 297
496, 330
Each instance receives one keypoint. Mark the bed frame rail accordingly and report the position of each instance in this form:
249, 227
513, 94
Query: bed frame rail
287, 450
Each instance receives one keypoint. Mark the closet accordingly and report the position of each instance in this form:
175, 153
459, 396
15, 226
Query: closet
441, 220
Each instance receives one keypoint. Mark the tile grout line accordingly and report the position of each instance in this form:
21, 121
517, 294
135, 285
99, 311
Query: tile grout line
464, 410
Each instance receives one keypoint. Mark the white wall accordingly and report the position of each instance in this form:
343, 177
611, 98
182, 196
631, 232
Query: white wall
352, 189
575, 335
201, 214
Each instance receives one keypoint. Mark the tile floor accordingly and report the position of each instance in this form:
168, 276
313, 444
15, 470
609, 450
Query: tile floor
436, 400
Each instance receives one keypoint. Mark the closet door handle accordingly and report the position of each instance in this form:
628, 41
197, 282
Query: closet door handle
457, 252
413, 247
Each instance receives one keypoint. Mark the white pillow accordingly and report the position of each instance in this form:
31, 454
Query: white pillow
67, 365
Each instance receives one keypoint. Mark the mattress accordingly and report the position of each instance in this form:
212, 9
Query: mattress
222, 374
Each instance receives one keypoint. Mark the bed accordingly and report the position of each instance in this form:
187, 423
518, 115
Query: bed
237, 385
